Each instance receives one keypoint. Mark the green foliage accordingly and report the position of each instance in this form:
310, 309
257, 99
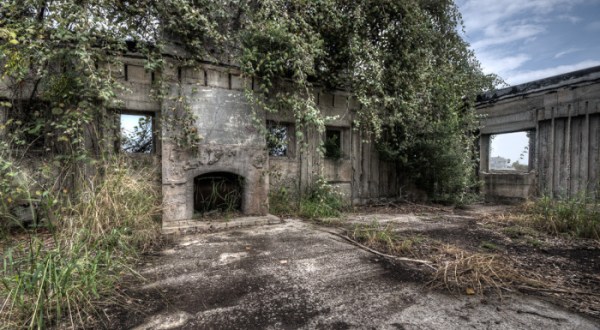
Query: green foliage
74, 262
321, 201
404, 61
283, 201
384, 238
577, 216
332, 146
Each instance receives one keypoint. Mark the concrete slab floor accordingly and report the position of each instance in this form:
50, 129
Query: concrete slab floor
294, 276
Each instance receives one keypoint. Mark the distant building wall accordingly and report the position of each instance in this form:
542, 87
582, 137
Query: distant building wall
564, 114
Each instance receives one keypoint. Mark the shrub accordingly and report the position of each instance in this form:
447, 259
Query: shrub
322, 200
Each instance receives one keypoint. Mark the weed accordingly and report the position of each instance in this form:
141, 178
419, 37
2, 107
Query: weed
534, 242
515, 232
489, 246
384, 238
578, 216
473, 273
322, 200
283, 202
67, 268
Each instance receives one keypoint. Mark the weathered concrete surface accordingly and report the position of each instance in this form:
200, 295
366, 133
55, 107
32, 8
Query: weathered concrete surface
293, 276
563, 112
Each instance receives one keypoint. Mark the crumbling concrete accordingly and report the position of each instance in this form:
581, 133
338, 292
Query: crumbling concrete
294, 276
564, 114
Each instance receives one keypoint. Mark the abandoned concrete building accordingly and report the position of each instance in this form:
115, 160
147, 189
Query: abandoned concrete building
560, 118
233, 150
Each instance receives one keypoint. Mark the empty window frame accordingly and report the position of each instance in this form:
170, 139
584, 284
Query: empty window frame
280, 139
510, 151
137, 133
333, 143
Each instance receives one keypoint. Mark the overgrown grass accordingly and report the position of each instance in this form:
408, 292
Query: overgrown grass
577, 216
283, 202
383, 238
320, 201
63, 272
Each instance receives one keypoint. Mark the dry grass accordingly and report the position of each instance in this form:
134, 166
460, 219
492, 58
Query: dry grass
466, 270
471, 273
383, 238
65, 271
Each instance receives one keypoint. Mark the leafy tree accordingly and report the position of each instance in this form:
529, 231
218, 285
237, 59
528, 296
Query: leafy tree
404, 61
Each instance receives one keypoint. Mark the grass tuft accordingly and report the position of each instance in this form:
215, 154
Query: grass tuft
578, 216
64, 270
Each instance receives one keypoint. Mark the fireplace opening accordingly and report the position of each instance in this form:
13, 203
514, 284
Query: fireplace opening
218, 191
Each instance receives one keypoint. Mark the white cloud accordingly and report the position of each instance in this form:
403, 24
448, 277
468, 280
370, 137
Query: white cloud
499, 31
498, 35
501, 65
478, 14
570, 18
566, 52
593, 26
526, 76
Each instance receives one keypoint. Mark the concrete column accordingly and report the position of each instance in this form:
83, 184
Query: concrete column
484, 153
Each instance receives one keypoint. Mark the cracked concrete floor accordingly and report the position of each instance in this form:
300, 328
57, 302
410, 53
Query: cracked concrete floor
293, 276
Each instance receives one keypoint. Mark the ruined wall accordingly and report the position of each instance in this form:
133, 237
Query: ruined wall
359, 174
232, 143
564, 113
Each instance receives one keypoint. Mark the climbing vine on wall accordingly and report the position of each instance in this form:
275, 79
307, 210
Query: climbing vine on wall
403, 61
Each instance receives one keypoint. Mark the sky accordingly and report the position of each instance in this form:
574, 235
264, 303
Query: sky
128, 122
525, 40
511, 146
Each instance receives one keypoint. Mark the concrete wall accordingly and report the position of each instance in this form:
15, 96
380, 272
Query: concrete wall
231, 141
359, 174
564, 114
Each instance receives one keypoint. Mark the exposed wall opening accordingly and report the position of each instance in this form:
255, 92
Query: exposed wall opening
137, 133
218, 191
510, 151
333, 143
280, 137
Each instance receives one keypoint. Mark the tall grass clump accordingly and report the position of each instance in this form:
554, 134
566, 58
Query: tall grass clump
322, 200
577, 216
60, 271
283, 201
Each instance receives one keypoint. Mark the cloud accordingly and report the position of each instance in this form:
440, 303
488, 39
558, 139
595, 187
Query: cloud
498, 35
570, 18
526, 76
566, 52
478, 14
500, 30
501, 65
593, 26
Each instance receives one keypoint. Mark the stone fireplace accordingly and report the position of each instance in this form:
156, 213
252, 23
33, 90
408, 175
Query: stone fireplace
231, 155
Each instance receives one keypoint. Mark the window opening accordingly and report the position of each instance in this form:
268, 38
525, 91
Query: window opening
333, 143
510, 151
278, 139
137, 134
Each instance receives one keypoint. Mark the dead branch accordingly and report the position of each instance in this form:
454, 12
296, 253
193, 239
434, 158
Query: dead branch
529, 288
384, 255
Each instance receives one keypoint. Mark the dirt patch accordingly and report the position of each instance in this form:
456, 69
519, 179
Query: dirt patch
298, 276
517, 256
